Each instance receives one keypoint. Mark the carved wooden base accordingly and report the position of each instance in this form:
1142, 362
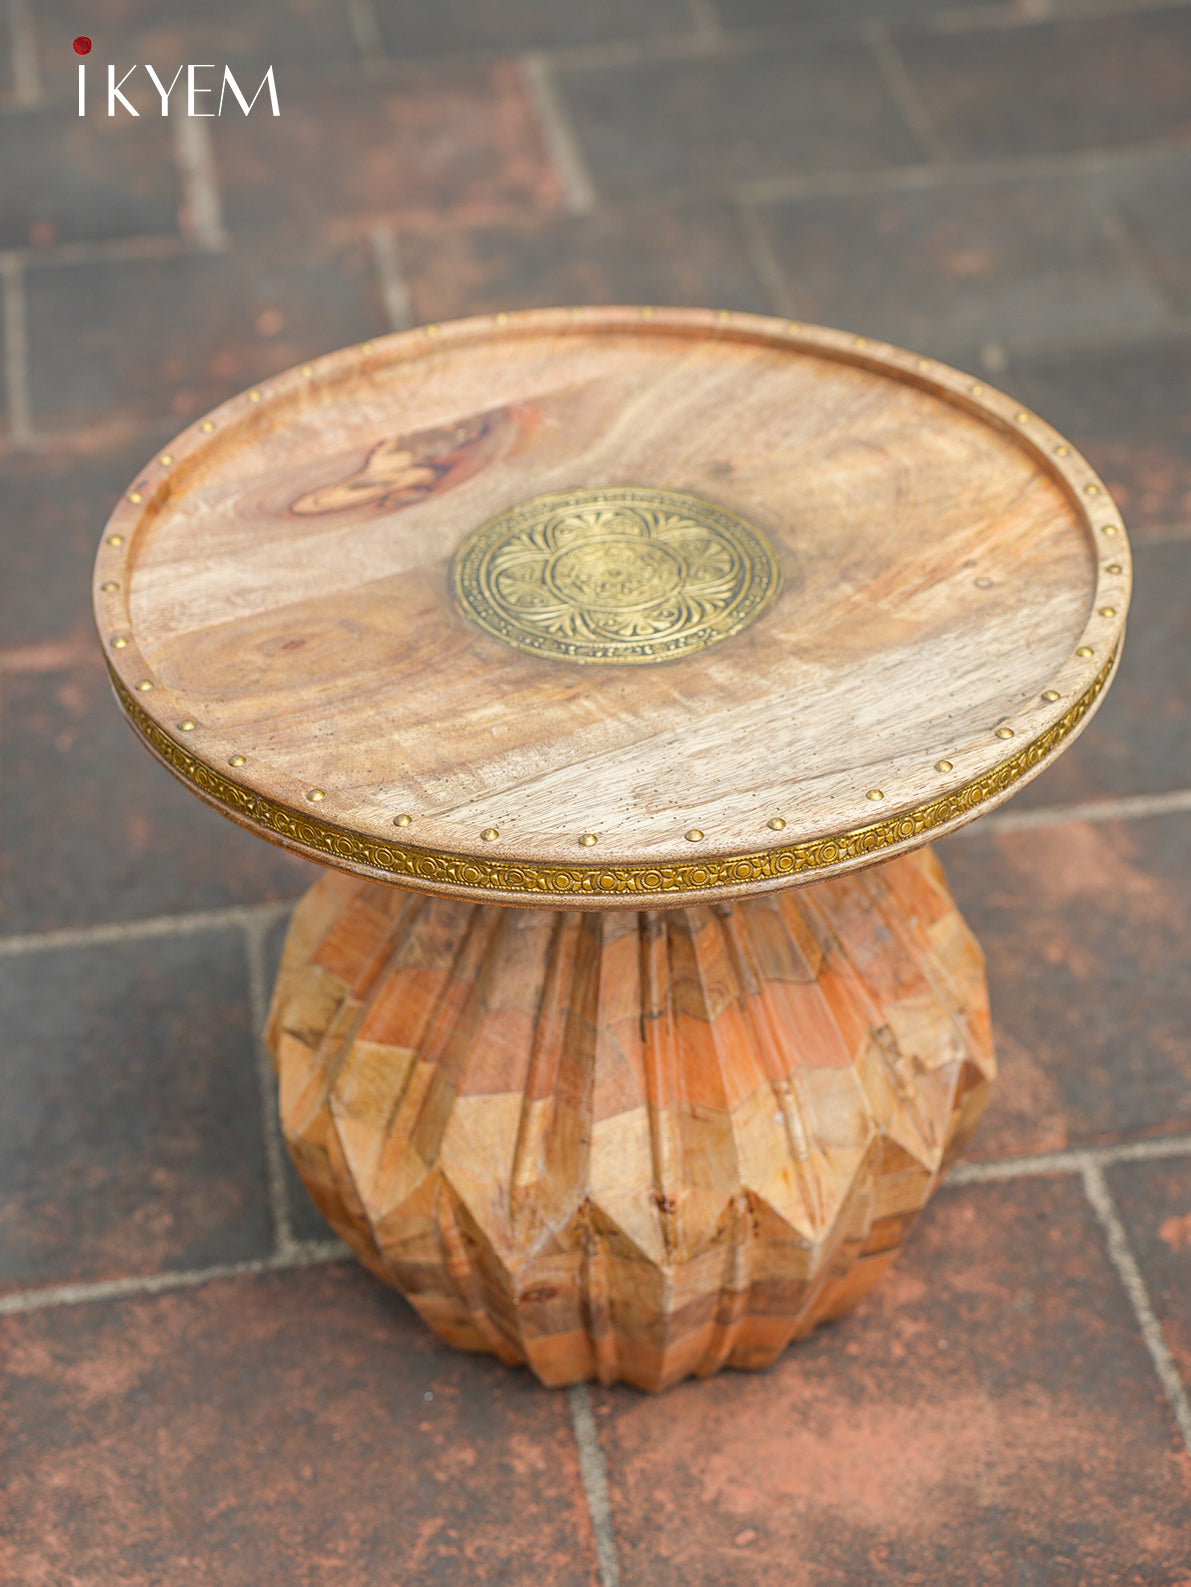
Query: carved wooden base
631, 1145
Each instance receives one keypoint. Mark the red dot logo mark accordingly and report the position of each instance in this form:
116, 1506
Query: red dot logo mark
82, 45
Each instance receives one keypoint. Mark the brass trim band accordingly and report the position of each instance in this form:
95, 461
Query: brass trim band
430, 868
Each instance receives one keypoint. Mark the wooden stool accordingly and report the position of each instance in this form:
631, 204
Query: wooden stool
681, 632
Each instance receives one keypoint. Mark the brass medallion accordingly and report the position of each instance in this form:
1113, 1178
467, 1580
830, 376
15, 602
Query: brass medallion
625, 575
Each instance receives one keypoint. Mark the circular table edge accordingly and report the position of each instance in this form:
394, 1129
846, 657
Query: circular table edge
637, 884
618, 883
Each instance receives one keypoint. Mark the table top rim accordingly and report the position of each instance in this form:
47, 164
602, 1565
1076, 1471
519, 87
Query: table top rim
304, 819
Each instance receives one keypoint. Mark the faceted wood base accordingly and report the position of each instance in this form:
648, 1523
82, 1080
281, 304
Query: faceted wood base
635, 1144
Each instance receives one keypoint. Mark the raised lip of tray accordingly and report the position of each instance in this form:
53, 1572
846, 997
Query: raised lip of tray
286, 815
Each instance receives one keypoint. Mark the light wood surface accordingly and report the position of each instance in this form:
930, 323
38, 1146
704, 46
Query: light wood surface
281, 578
632, 1145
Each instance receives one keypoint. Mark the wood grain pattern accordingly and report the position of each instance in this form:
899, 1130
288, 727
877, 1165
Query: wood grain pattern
633, 1145
282, 583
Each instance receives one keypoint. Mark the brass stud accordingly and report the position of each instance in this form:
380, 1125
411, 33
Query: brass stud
862, 341
432, 330
977, 389
109, 585
207, 426
943, 765
402, 820
1050, 694
1113, 567
255, 394
1091, 490
187, 726
1108, 611
489, 833
115, 540
237, 760
119, 643
874, 794
135, 497
693, 836
1022, 417
1108, 528
502, 319
144, 686
775, 823
1062, 451
647, 313
365, 347
793, 328
575, 311
308, 370
1004, 732
722, 314
587, 839
314, 795
1085, 650
166, 459
922, 363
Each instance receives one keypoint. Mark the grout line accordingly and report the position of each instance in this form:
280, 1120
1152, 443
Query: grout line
893, 73
1031, 167
1164, 535
593, 1470
26, 70
365, 29
16, 352
138, 930
705, 20
200, 212
258, 1002
982, 18
1121, 1254
46, 657
393, 290
1131, 808
578, 188
995, 16
1074, 1161
1106, 336
759, 252
105, 251
308, 1254
609, 54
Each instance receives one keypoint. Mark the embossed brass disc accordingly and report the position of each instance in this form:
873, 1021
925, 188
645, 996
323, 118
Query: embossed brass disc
626, 575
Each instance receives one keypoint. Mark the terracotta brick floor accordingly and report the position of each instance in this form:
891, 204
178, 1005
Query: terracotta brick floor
195, 1386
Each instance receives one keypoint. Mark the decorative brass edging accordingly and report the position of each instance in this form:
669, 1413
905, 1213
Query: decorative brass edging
512, 876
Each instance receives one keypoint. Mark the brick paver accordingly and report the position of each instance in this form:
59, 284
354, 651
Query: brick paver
957, 266
982, 1420
297, 1427
193, 1386
95, 833
1059, 86
1126, 407
1141, 742
130, 1140
661, 253
1089, 1005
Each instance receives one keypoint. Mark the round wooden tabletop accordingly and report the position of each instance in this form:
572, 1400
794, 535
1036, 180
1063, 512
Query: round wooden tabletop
612, 607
